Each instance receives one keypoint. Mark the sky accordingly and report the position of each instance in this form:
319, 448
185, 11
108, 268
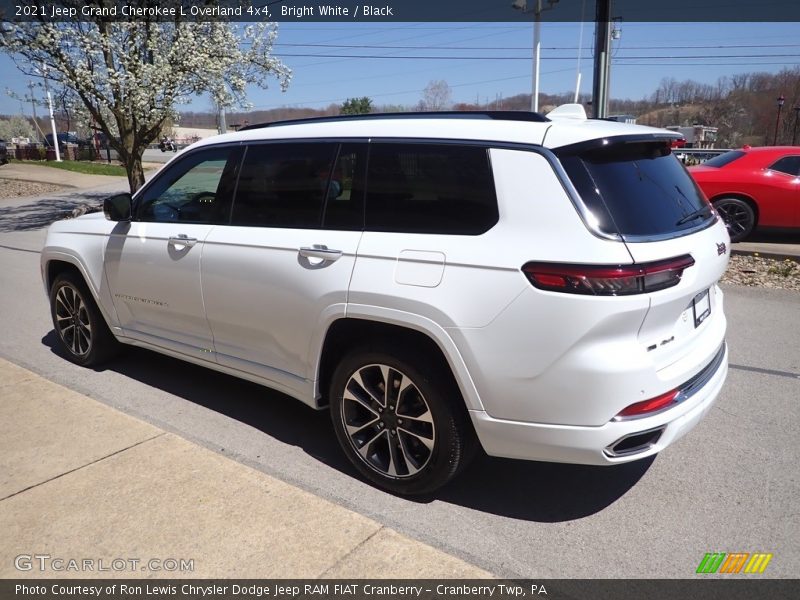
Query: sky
487, 61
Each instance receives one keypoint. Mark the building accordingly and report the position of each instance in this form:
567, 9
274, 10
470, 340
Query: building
623, 119
697, 136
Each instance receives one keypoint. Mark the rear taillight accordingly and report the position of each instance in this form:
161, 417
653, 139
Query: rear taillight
647, 407
607, 280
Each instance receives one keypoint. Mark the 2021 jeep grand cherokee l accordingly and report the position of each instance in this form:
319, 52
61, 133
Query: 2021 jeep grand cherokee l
543, 287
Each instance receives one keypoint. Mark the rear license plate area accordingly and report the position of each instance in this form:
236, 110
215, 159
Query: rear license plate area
701, 307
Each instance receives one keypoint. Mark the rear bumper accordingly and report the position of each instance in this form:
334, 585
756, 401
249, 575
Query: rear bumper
595, 445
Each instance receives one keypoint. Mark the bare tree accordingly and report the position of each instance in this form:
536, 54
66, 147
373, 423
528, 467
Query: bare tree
436, 96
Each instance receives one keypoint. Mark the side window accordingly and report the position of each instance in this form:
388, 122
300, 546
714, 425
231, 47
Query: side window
283, 185
195, 190
344, 205
788, 164
430, 188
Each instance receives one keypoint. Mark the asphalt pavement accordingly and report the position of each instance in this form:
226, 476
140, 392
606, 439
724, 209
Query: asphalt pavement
731, 485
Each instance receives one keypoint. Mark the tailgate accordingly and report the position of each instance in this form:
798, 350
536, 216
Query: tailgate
686, 320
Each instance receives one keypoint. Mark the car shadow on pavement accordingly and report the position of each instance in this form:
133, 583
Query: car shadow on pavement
275, 414
43, 212
540, 491
531, 491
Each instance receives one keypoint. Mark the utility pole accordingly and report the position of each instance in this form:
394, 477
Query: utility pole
796, 110
602, 59
33, 107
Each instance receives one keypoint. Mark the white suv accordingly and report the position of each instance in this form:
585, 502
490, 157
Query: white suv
542, 287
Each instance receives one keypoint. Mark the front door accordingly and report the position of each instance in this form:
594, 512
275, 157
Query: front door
153, 262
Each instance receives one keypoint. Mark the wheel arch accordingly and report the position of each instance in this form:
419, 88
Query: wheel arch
350, 331
57, 263
739, 196
55, 267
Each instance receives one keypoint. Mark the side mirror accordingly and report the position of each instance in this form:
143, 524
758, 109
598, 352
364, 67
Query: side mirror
118, 208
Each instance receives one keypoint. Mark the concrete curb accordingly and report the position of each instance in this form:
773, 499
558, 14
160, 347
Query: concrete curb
81, 479
768, 254
63, 185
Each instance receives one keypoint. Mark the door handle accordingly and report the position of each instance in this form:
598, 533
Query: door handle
320, 251
182, 240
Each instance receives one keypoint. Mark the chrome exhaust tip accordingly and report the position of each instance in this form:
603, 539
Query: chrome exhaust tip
635, 443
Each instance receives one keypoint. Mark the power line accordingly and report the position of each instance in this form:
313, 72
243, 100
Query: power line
526, 58
398, 93
695, 64
413, 37
440, 47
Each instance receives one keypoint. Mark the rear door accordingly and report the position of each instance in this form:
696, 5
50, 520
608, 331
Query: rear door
639, 190
278, 274
153, 262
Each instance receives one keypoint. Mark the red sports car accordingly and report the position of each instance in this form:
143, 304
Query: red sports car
753, 186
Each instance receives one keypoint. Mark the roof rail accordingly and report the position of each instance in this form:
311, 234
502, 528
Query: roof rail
497, 115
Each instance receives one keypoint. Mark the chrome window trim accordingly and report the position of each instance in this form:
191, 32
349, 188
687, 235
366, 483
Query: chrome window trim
589, 220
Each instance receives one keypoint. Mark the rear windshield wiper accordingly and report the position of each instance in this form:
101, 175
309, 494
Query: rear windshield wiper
696, 214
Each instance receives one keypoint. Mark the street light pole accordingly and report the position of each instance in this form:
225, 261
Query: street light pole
52, 117
537, 54
781, 100
537, 43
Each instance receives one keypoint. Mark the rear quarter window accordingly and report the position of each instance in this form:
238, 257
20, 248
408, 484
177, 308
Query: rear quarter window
788, 164
635, 188
430, 188
724, 159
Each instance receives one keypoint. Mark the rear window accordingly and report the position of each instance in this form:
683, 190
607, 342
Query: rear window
724, 159
635, 188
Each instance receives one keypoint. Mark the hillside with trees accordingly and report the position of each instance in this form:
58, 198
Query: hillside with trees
743, 107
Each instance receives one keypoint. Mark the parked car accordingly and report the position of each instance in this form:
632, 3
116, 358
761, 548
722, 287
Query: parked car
542, 287
3, 152
65, 137
753, 187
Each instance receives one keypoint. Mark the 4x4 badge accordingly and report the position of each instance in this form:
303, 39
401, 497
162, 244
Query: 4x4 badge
721, 248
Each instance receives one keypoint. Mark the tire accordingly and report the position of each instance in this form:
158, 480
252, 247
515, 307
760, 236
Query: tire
411, 442
83, 335
738, 215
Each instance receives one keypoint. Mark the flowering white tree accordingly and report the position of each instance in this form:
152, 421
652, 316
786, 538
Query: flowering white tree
16, 127
130, 75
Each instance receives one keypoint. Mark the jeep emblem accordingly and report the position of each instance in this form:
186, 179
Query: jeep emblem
721, 248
